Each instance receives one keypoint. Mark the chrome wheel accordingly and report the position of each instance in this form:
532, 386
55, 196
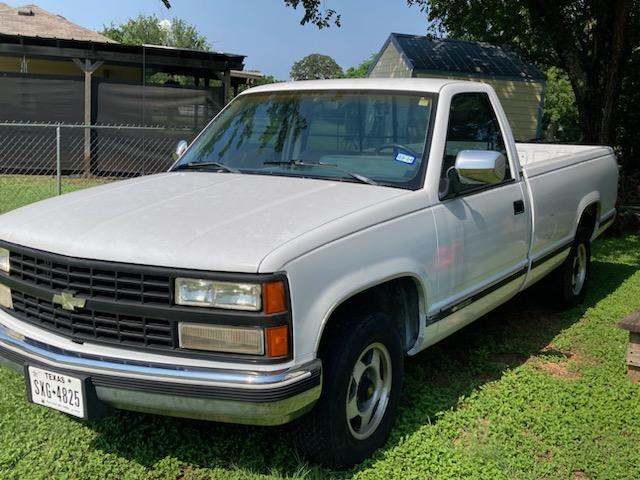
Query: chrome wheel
369, 390
579, 272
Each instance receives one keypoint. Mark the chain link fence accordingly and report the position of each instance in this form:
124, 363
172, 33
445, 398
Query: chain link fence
40, 160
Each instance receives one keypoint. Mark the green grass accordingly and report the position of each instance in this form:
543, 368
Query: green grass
19, 190
526, 393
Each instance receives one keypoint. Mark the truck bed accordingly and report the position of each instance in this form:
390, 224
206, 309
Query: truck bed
563, 179
540, 158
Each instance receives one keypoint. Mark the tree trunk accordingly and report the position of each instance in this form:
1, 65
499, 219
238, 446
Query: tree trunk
593, 60
610, 51
596, 114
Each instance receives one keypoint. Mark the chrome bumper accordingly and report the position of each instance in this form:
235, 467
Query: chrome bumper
234, 396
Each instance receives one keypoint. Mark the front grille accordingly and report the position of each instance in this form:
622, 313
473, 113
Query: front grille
100, 282
128, 330
118, 284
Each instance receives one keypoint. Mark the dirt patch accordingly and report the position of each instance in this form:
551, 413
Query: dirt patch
558, 370
579, 475
545, 456
561, 368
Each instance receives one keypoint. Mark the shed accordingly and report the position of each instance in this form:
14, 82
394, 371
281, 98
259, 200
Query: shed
518, 83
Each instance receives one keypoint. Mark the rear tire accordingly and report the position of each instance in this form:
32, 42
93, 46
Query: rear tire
362, 377
570, 280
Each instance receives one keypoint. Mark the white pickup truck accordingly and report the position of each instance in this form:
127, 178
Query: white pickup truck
310, 238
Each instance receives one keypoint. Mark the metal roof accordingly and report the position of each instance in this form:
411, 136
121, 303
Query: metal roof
445, 55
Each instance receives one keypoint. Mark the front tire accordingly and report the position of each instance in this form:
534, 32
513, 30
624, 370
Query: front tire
362, 378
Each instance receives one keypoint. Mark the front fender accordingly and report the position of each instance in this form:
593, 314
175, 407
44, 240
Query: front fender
321, 280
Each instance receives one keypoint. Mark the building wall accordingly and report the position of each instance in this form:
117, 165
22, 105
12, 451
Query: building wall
521, 100
67, 68
391, 64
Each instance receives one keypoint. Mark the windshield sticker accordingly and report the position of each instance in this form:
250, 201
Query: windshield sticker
424, 102
404, 158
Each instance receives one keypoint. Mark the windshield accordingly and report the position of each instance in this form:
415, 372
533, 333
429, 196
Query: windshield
369, 137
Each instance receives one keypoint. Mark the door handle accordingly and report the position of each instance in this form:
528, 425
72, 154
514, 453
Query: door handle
518, 207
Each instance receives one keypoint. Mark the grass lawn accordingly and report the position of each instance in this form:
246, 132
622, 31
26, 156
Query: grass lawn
19, 190
524, 393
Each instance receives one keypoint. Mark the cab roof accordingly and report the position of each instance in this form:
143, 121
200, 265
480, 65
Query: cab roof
418, 85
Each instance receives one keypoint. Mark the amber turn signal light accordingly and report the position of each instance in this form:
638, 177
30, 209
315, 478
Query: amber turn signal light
277, 341
274, 300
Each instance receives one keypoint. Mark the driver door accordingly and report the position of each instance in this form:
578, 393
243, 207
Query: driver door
483, 230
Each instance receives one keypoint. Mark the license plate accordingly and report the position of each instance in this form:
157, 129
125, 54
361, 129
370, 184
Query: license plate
57, 391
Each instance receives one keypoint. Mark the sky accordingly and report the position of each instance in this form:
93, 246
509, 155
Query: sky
266, 31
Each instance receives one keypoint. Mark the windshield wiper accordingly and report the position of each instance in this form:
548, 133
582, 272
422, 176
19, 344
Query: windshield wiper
196, 165
298, 163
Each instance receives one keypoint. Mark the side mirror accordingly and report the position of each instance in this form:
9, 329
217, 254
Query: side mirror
180, 149
478, 167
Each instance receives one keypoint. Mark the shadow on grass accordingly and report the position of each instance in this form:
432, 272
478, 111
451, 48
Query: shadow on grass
435, 380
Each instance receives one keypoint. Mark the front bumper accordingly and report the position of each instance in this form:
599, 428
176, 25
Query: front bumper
234, 396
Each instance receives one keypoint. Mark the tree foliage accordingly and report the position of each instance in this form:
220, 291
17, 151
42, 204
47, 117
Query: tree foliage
315, 13
627, 138
362, 70
560, 111
316, 67
151, 30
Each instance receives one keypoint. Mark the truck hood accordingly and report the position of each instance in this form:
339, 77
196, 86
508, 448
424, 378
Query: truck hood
196, 220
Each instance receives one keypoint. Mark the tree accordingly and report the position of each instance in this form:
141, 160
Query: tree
316, 67
362, 70
629, 124
560, 112
315, 13
151, 30
590, 39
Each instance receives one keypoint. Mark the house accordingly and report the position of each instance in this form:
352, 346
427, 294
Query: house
45, 53
519, 84
54, 71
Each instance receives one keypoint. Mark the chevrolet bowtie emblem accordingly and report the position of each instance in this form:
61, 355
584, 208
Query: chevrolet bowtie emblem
67, 301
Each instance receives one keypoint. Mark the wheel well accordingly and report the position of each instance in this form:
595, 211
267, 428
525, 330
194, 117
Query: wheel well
398, 298
588, 221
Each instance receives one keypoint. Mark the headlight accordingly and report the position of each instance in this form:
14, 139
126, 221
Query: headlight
211, 293
4, 260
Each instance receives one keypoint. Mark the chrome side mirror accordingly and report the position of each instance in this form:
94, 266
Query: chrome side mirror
478, 167
180, 149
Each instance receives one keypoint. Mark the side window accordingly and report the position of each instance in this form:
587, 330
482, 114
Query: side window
473, 125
